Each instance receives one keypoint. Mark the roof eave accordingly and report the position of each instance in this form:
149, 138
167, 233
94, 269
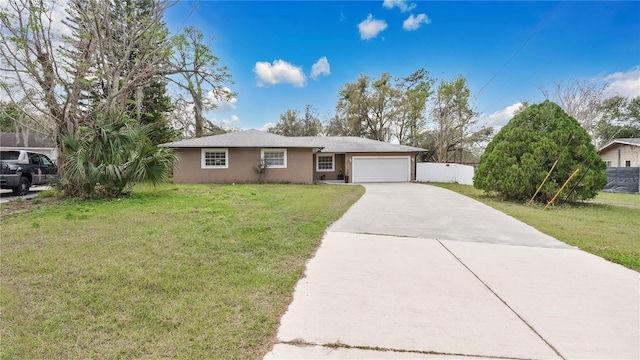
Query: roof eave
239, 146
614, 142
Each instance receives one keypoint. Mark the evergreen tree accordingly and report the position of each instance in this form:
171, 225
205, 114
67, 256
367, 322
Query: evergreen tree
292, 123
152, 110
9, 117
519, 157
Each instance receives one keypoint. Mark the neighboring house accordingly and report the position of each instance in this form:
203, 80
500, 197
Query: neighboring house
29, 141
232, 158
623, 152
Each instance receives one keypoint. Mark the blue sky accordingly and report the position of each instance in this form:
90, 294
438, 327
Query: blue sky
506, 50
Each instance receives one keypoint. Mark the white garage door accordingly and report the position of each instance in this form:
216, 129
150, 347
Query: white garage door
381, 169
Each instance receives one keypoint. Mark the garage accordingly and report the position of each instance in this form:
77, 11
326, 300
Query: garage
381, 169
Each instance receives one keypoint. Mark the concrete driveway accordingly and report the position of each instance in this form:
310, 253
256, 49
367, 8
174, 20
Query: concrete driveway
413, 271
6, 195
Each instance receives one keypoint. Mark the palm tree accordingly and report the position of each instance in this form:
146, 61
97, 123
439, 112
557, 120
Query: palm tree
107, 158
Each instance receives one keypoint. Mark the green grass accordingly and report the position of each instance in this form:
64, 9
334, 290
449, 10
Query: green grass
608, 226
194, 272
629, 200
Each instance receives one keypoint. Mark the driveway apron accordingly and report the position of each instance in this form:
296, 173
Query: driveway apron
413, 271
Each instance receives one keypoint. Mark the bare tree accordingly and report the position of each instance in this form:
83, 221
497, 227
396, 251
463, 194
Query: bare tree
181, 118
337, 126
580, 99
368, 106
352, 109
82, 68
414, 92
452, 118
31, 71
383, 111
103, 54
311, 123
197, 67
292, 123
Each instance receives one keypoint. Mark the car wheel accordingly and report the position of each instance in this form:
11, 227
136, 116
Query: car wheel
23, 187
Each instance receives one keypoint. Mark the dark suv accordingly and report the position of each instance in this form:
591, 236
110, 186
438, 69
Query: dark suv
19, 169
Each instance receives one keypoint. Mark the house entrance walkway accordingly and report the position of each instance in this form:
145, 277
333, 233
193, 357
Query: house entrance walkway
413, 271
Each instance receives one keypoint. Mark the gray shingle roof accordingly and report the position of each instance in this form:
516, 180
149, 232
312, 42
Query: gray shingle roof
261, 139
351, 144
242, 139
629, 141
625, 141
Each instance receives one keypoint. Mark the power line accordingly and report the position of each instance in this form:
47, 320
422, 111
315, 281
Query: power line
535, 32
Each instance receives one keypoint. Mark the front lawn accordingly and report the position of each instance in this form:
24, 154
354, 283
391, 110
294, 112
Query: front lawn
629, 200
607, 226
194, 272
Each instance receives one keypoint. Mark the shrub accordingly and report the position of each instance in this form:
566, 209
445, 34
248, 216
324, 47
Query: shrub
519, 157
107, 158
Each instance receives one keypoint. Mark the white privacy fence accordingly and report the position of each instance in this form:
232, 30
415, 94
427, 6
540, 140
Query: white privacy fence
446, 173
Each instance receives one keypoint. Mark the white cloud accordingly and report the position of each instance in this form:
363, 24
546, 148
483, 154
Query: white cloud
222, 105
370, 28
267, 126
413, 23
625, 83
321, 67
400, 4
500, 117
225, 122
278, 72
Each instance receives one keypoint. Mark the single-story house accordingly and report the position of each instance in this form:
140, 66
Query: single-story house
29, 141
233, 157
624, 152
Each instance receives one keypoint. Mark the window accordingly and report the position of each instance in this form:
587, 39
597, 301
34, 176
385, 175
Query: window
215, 158
627, 163
275, 158
608, 162
45, 161
9, 155
34, 159
325, 162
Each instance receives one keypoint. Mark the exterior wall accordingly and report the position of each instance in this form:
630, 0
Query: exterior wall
349, 162
188, 170
330, 175
617, 154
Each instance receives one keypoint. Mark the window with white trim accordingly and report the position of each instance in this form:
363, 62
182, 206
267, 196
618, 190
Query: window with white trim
608, 162
325, 162
275, 158
215, 158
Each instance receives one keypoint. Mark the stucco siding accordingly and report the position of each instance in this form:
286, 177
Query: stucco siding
241, 164
338, 166
618, 154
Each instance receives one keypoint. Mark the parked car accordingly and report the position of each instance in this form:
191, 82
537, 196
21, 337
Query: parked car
20, 169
